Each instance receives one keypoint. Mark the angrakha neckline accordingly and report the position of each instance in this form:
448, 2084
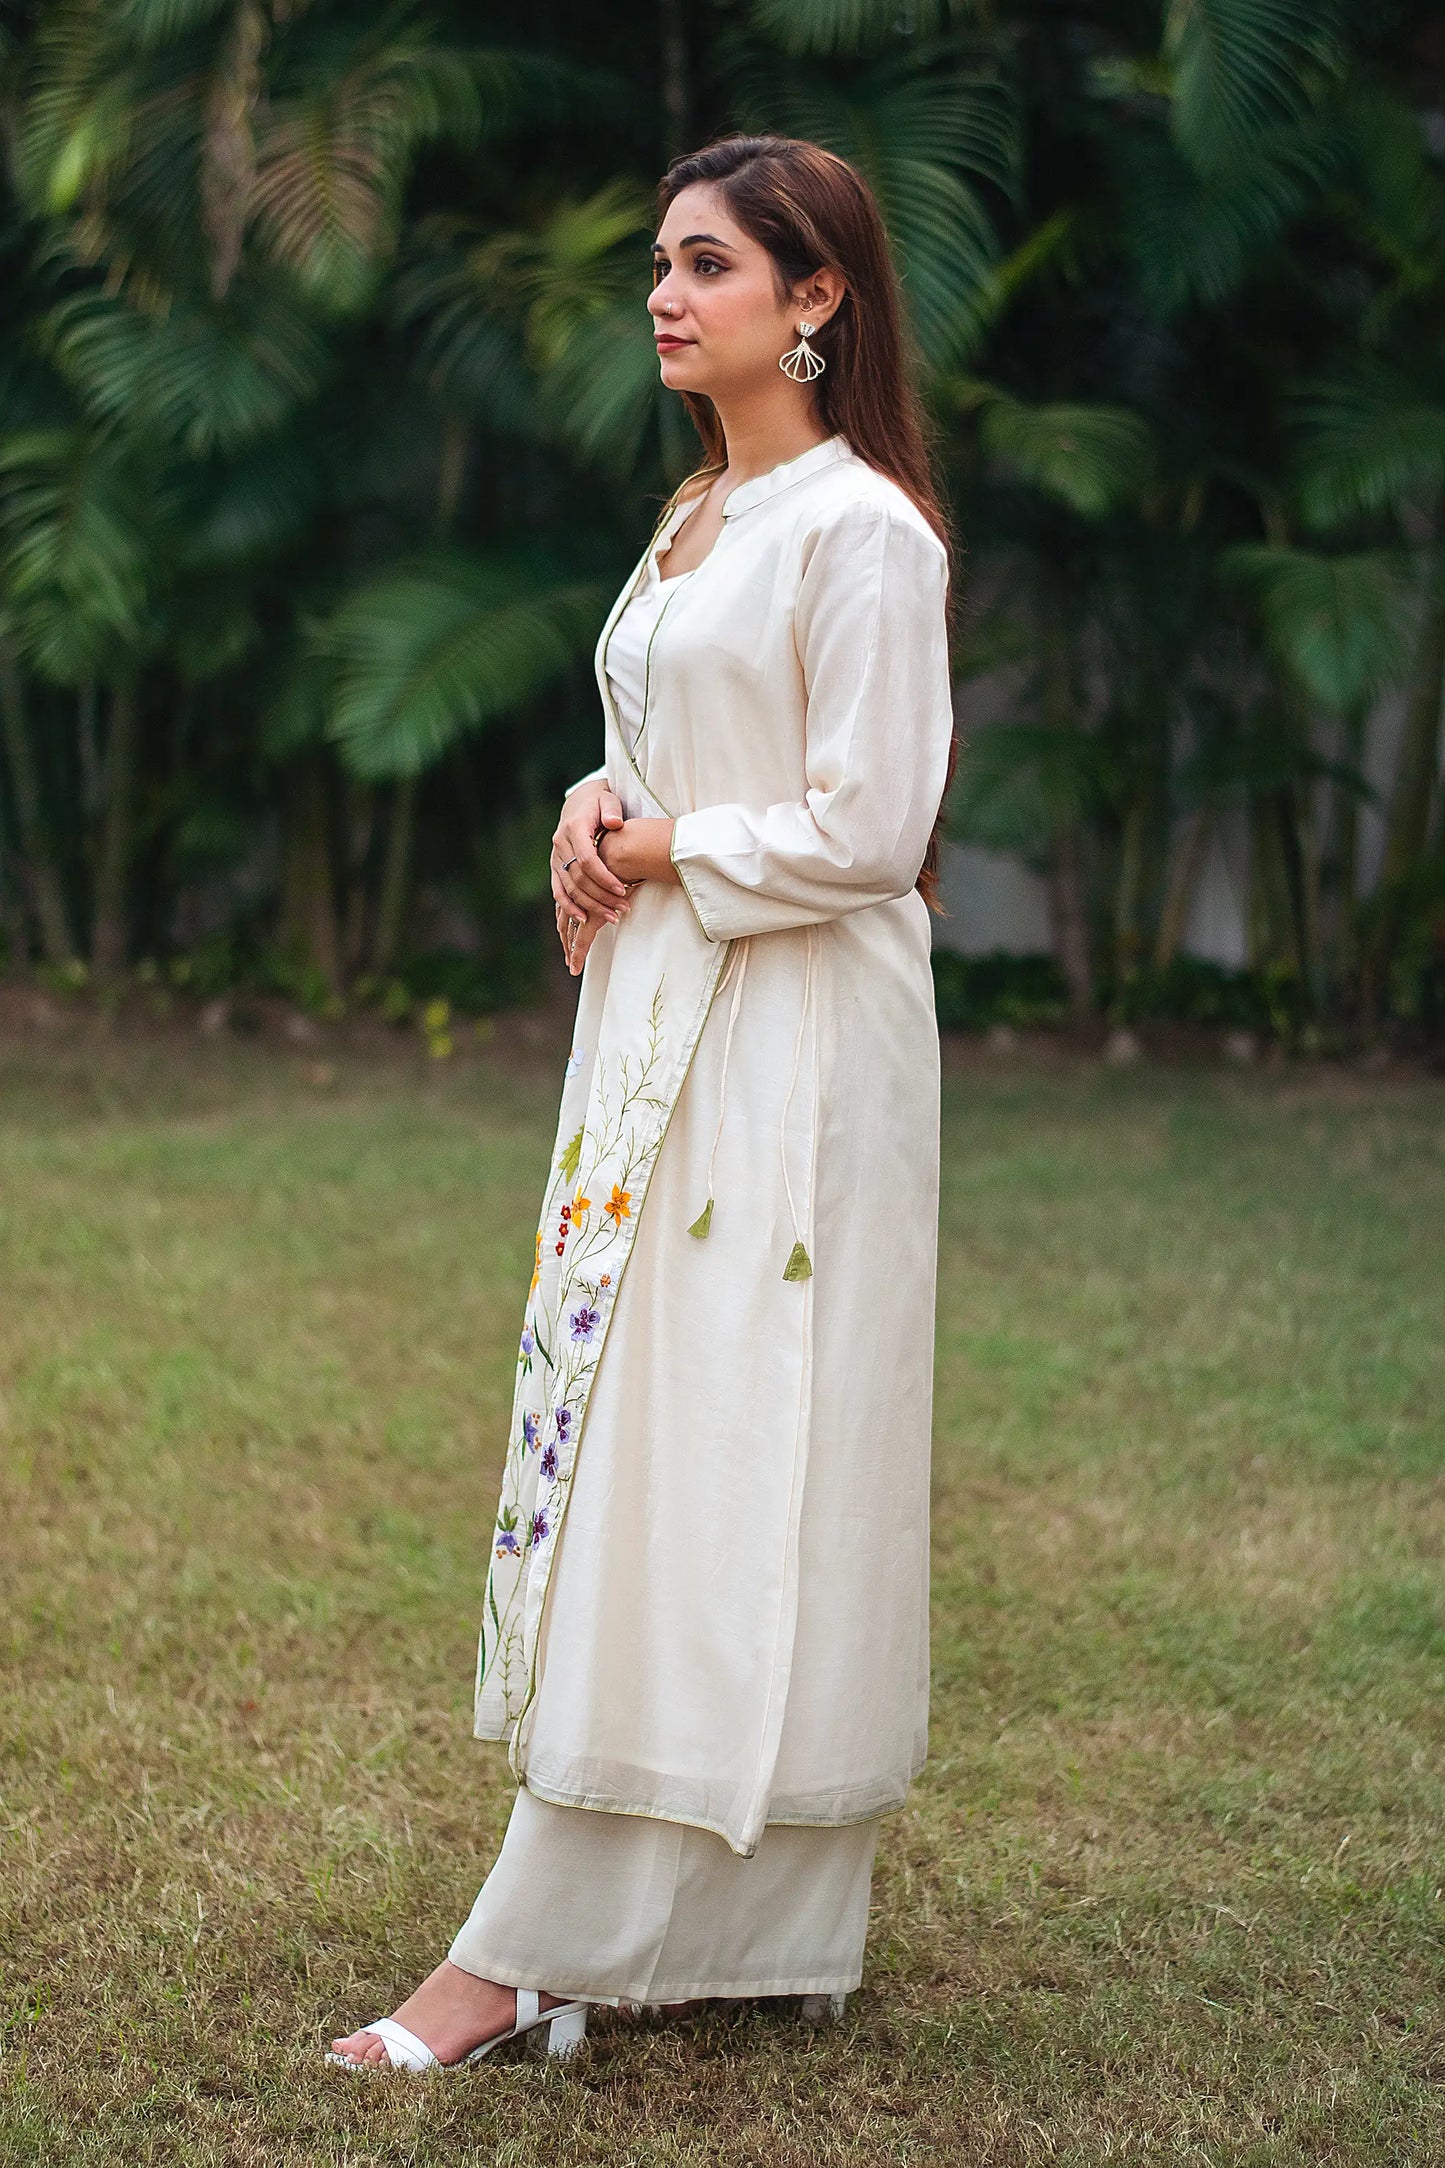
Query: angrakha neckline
782, 475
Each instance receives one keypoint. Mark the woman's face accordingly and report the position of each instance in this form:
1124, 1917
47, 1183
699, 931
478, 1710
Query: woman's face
715, 294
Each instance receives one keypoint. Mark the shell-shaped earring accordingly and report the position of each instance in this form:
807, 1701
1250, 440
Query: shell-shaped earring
802, 362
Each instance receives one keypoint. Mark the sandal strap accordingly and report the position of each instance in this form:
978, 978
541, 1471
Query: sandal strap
529, 2008
403, 2048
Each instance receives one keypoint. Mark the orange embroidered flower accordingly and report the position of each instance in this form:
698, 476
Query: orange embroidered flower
580, 1204
537, 1261
619, 1205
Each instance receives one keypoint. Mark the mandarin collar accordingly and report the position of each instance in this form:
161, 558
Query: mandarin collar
784, 474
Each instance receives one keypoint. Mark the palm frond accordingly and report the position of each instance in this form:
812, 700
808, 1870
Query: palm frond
206, 378
854, 26
1242, 69
1368, 438
150, 23
1397, 202
432, 649
332, 155
929, 143
1021, 781
1338, 624
1093, 458
603, 395
79, 538
1195, 238
250, 509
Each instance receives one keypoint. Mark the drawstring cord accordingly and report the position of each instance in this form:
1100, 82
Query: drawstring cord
703, 1221
799, 1265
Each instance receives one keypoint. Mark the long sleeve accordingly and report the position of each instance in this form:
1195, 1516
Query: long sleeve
871, 637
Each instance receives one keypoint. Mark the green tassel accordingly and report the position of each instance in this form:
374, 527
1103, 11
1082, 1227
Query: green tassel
799, 1265
703, 1221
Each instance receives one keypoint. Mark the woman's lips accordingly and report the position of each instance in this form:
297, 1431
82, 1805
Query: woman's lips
667, 344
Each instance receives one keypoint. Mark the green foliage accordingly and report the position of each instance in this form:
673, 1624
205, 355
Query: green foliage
431, 649
330, 417
1338, 624
1243, 70
973, 992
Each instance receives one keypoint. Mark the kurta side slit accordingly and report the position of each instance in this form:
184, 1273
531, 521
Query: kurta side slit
705, 1636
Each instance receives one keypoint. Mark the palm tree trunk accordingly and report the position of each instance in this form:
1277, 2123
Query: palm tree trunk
359, 823
1185, 870
675, 95
309, 920
110, 937
396, 879
1414, 792
1069, 920
1339, 866
1067, 888
1127, 896
47, 895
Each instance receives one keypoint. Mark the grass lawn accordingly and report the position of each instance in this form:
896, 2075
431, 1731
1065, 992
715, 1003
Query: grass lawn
1170, 1888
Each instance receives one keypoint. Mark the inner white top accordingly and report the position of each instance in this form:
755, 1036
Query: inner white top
626, 658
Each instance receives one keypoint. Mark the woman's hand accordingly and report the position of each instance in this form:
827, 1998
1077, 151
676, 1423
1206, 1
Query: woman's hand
581, 883
640, 850
631, 851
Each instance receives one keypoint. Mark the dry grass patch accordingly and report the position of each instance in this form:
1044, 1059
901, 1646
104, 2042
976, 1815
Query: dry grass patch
1170, 1887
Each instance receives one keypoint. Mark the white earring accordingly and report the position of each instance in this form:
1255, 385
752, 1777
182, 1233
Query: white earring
801, 362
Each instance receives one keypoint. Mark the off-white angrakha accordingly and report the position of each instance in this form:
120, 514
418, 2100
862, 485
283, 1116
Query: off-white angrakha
651, 1911
707, 1599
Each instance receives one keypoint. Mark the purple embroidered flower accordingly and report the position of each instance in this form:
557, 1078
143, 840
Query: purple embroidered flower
528, 1343
540, 1528
563, 1415
531, 1431
549, 1463
507, 1544
584, 1322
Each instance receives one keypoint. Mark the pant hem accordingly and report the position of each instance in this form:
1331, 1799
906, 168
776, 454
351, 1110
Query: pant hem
595, 1988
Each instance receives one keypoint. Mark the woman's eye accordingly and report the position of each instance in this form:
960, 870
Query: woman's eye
661, 266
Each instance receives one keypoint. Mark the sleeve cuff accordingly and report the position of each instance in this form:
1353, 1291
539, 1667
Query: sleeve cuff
687, 890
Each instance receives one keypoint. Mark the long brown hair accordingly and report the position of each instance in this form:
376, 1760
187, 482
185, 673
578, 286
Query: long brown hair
809, 208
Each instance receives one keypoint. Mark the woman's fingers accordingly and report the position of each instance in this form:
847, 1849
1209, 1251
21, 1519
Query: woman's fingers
587, 933
576, 935
586, 877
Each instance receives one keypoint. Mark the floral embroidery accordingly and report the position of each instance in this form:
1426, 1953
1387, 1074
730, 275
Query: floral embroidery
609, 1158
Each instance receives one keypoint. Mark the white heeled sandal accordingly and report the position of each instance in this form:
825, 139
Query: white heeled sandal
566, 2024
822, 2009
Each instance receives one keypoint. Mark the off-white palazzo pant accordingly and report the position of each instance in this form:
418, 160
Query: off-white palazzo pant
627, 1908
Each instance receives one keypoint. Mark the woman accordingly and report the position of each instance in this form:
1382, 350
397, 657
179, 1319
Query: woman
705, 1633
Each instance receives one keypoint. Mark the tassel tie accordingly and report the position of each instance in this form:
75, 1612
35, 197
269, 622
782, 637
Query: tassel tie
799, 1265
